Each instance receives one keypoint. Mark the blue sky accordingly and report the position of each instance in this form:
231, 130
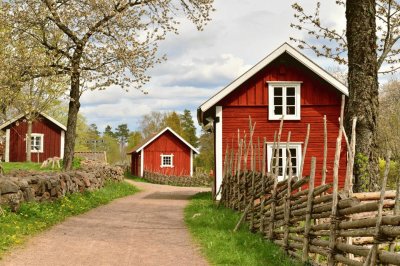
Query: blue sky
241, 33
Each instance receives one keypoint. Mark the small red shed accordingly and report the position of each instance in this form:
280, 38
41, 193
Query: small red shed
284, 83
164, 152
47, 139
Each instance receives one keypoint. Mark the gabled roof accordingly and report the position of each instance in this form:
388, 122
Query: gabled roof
6, 124
284, 48
152, 137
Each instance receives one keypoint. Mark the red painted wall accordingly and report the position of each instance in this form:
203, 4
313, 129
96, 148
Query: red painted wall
318, 98
51, 143
167, 143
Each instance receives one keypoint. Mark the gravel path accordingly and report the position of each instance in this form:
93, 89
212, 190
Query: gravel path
144, 229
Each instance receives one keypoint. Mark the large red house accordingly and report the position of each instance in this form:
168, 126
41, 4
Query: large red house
47, 139
283, 83
164, 152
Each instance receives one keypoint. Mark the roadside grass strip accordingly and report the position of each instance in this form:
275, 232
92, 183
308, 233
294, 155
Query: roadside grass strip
212, 227
34, 217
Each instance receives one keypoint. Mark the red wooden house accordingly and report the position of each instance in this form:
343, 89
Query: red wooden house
164, 152
47, 139
283, 83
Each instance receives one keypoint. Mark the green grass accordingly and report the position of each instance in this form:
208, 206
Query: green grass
135, 178
212, 228
35, 217
8, 167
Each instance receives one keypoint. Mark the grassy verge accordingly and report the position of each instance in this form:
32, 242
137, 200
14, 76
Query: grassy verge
212, 228
34, 217
135, 178
32, 166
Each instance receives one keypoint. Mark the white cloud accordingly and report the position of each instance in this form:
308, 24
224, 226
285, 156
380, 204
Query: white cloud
199, 64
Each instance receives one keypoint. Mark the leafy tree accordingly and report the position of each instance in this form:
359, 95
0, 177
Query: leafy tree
188, 127
172, 120
108, 131
389, 120
152, 123
206, 157
135, 137
122, 133
98, 43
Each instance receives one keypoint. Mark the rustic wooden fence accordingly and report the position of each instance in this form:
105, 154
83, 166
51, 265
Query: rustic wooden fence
316, 224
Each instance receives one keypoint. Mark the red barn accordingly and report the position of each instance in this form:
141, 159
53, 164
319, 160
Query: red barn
47, 139
165, 152
283, 83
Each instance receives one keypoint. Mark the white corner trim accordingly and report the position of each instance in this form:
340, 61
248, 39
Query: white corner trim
62, 144
141, 163
7, 151
191, 162
218, 152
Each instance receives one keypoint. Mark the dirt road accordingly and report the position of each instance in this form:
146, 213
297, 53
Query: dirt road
144, 229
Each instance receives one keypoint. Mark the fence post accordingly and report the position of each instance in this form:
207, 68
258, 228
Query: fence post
307, 225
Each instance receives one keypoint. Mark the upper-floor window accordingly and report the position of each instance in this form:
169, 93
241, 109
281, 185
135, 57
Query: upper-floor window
167, 160
283, 163
37, 142
284, 100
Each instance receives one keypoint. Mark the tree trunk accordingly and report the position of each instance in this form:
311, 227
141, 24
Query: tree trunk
363, 90
29, 141
73, 110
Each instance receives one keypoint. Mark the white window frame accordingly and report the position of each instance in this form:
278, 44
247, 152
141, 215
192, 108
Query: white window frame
36, 135
171, 156
271, 105
282, 146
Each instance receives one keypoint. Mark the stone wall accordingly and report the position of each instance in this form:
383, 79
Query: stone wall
20, 186
197, 180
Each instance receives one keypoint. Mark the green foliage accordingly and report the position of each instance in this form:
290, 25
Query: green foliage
205, 159
34, 217
188, 127
212, 228
361, 165
129, 176
393, 173
134, 139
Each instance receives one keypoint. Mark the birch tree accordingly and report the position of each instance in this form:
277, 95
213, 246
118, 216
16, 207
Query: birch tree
98, 43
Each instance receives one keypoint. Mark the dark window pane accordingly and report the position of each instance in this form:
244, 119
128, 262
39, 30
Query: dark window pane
293, 152
278, 91
277, 100
280, 171
290, 110
294, 162
290, 100
278, 110
290, 91
294, 170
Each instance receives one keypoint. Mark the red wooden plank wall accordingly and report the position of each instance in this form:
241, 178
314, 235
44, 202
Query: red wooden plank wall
167, 143
318, 98
51, 143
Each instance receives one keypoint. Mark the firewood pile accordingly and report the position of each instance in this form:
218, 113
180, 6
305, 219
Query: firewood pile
316, 224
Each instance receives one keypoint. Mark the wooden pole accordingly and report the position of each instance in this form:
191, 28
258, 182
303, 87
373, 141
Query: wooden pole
396, 210
300, 175
288, 194
334, 220
323, 180
372, 256
263, 173
307, 225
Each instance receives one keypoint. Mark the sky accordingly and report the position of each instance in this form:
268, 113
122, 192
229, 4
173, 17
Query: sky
199, 64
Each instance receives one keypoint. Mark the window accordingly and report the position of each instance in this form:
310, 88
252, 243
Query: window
284, 99
295, 154
36, 142
167, 160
